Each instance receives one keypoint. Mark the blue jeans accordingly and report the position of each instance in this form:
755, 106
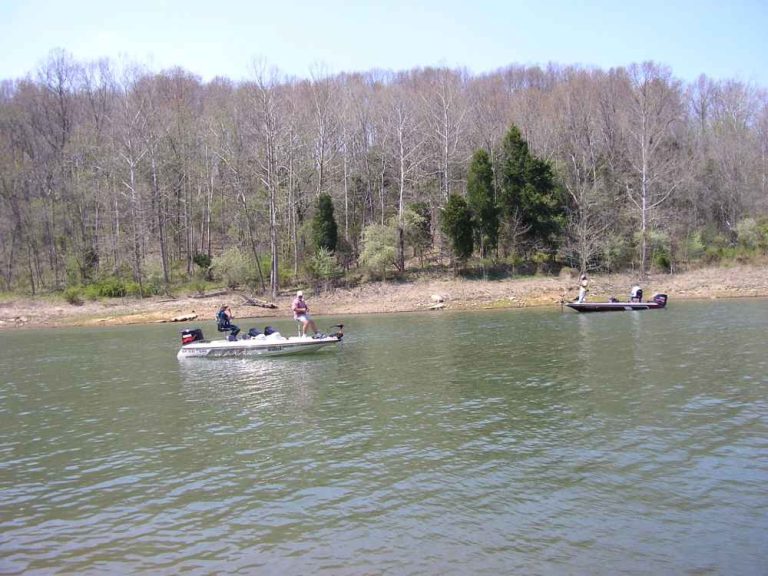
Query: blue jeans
233, 330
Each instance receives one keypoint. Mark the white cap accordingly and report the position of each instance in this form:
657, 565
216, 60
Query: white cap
299, 293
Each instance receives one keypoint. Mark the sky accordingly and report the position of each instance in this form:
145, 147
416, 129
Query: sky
723, 39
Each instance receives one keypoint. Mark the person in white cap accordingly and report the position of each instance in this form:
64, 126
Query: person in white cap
301, 314
583, 287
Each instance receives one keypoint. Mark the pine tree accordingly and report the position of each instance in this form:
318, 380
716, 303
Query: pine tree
457, 226
480, 196
529, 197
324, 228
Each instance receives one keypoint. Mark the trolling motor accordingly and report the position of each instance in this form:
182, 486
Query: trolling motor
339, 333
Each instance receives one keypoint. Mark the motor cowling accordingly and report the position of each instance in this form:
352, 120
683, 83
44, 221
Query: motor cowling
189, 335
660, 299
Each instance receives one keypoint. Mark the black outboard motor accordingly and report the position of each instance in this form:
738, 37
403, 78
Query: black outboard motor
189, 335
660, 299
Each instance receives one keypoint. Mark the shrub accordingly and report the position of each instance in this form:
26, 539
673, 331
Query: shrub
695, 246
661, 261
202, 260
617, 253
378, 248
132, 289
74, 295
752, 234
323, 264
231, 267
110, 287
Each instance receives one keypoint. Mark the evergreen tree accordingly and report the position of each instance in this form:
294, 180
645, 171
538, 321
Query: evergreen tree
324, 228
529, 197
457, 226
480, 196
418, 228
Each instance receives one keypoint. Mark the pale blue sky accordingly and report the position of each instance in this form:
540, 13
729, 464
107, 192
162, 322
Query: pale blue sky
724, 39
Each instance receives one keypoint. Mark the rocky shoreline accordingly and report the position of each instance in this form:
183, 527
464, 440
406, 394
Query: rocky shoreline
741, 281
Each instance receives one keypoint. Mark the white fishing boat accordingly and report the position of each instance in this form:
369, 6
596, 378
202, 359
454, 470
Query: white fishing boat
194, 344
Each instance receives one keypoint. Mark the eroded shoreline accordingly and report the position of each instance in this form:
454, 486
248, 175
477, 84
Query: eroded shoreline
390, 297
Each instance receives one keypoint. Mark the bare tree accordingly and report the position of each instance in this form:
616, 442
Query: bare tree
96, 172
407, 146
445, 115
582, 164
133, 138
271, 135
325, 96
652, 114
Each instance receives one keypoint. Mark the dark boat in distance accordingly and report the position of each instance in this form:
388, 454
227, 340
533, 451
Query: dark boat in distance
657, 302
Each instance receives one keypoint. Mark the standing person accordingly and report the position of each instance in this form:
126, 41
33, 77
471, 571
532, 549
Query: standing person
636, 295
583, 288
224, 322
301, 314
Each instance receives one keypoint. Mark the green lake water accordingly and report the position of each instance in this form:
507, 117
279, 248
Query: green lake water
507, 442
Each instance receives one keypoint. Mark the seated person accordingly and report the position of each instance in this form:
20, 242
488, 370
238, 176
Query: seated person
224, 322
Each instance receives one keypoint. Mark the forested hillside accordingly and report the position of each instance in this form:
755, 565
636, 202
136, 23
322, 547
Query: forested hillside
135, 182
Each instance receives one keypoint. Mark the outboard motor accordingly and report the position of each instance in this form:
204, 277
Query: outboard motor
660, 299
189, 335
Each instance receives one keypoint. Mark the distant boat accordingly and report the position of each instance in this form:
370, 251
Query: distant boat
194, 345
657, 302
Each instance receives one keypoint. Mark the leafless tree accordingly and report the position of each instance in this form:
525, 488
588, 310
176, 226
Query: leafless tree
652, 115
105, 171
582, 165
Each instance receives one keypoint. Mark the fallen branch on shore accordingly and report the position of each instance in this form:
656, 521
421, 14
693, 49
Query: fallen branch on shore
250, 301
184, 317
209, 294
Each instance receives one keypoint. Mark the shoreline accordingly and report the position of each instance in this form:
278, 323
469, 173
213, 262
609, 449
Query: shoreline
420, 295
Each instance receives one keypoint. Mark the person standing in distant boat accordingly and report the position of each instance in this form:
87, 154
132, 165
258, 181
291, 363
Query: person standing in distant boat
583, 288
636, 295
301, 314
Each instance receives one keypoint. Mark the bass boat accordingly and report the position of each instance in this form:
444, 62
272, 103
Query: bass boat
656, 303
194, 344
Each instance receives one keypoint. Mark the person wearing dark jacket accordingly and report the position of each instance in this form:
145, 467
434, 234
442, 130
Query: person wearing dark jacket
224, 322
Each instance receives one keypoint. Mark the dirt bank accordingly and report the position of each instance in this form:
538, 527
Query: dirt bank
376, 298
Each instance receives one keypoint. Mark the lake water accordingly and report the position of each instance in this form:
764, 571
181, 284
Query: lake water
511, 442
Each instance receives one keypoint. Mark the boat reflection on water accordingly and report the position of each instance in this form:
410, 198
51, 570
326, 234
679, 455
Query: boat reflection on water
245, 385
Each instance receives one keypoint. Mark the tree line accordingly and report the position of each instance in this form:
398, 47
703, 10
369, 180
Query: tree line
137, 180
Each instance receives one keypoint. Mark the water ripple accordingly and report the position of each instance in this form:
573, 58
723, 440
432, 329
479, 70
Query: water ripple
517, 442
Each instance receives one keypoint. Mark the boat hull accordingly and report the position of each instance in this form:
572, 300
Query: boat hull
658, 302
255, 347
